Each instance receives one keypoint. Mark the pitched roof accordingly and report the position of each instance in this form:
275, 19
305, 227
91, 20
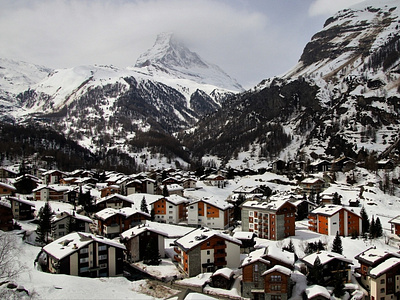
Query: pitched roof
200, 235
267, 205
325, 257
21, 200
224, 272
256, 255
384, 266
278, 268
137, 230
218, 203
331, 209
317, 290
373, 255
72, 242
8, 186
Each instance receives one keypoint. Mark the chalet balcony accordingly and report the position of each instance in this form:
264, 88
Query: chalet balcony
220, 263
177, 258
177, 250
217, 247
113, 228
218, 255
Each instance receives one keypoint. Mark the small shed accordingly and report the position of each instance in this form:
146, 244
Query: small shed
222, 278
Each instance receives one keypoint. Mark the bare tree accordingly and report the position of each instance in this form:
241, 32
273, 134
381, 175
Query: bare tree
10, 266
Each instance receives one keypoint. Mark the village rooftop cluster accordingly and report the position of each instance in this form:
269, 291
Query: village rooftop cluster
115, 220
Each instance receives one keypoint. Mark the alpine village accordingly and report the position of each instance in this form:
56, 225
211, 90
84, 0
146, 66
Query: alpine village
156, 183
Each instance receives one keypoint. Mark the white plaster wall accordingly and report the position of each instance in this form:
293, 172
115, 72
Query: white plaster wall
333, 228
73, 264
232, 255
205, 256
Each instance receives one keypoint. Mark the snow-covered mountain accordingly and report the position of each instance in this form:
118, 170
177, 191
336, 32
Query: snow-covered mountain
341, 98
16, 77
170, 58
105, 107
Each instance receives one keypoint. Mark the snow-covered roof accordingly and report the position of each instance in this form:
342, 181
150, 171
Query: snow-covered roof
174, 187
5, 203
116, 195
311, 180
325, 257
22, 200
317, 290
224, 272
268, 205
385, 266
243, 235
71, 213
373, 255
331, 209
278, 268
277, 253
137, 230
395, 220
218, 203
56, 188
74, 241
7, 186
256, 255
200, 235
176, 199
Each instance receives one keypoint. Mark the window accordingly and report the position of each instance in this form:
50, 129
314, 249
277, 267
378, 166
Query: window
61, 226
251, 225
275, 297
102, 247
84, 269
382, 281
276, 278
170, 206
84, 260
208, 252
102, 257
275, 287
251, 214
83, 251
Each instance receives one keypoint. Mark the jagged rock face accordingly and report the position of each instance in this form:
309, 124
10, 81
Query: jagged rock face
348, 79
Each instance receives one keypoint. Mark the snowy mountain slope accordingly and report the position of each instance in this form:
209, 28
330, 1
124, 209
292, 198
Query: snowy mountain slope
16, 77
107, 108
340, 99
169, 57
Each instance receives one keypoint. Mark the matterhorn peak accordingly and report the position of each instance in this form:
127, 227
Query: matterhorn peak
168, 51
170, 57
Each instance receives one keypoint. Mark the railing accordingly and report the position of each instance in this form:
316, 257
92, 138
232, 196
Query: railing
177, 258
177, 250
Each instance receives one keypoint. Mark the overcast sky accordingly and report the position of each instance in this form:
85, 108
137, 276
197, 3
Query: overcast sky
249, 39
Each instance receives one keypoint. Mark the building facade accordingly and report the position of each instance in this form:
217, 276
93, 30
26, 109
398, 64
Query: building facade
273, 220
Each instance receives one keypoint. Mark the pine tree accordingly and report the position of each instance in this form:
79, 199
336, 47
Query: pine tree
315, 274
365, 221
338, 285
143, 206
378, 228
165, 191
336, 199
372, 229
44, 224
151, 256
337, 244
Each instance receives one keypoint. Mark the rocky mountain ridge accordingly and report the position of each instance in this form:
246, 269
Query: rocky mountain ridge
340, 99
